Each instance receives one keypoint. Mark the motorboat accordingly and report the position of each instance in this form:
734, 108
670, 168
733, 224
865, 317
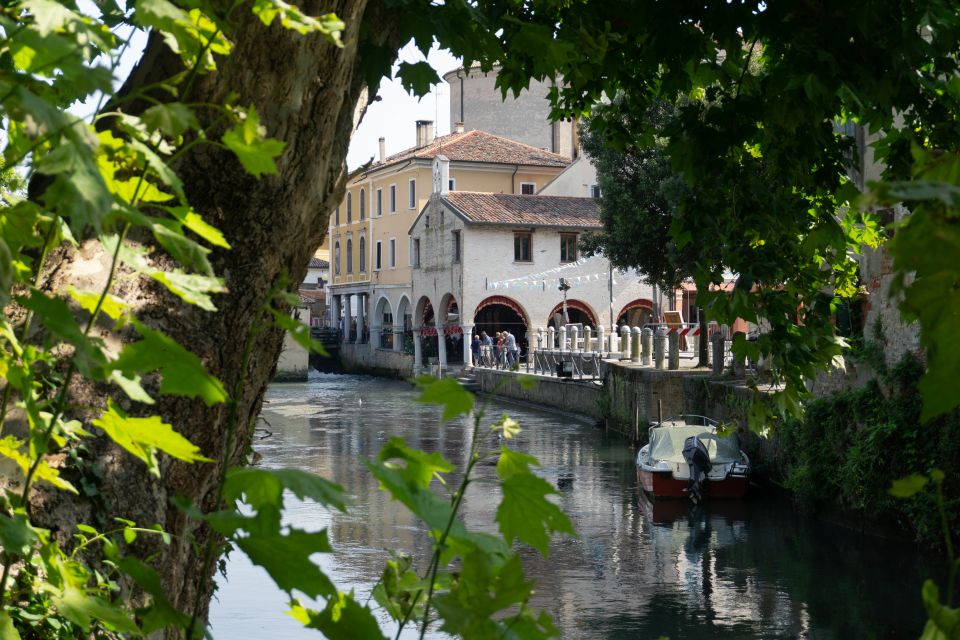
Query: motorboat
685, 458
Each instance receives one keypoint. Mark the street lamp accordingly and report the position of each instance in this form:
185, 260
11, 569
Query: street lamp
564, 287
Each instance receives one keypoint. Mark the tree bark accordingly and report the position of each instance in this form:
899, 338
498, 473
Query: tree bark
311, 95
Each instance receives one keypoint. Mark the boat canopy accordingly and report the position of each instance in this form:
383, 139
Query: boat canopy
666, 443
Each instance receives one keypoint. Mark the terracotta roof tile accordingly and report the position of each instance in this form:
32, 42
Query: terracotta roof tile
532, 211
318, 263
479, 146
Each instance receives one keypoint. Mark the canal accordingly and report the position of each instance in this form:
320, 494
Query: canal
749, 569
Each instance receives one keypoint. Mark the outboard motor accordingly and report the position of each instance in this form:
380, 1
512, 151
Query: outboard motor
695, 453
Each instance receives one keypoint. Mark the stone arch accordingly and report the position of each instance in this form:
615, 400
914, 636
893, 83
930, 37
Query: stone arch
579, 312
404, 311
424, 315
383, 306
636, 313
449, 311
501, 312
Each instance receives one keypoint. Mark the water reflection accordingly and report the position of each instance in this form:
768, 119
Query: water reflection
637, 570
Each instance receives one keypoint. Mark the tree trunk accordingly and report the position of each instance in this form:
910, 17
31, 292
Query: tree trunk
311, 95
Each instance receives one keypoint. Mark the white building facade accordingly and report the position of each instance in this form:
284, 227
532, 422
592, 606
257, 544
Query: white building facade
493, 261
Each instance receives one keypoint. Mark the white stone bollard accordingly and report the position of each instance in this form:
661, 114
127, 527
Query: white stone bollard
587, 338
624, 342
564, 345
600, 337
635, 345
673, 362
572, 334
659, 347
551, 338
646, 345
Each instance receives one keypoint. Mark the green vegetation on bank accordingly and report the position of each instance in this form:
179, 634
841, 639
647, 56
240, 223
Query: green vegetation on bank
847, 447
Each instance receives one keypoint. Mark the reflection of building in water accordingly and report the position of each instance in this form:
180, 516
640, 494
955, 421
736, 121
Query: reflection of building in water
637, 570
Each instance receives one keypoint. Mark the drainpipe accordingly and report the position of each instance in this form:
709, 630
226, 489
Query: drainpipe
513, 179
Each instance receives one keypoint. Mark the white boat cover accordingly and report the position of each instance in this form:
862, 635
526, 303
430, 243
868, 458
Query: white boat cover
666, 443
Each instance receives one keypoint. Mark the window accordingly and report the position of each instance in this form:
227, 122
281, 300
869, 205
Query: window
393, 198
379, 202
336, 258
363, 254
521, 246
363, 203
426, 220
456, 246
376, 260
349, 255
568, 247
452, 184
349, 207
413, 194
528, 188
595, 191
416, 252
393, 252
336, 217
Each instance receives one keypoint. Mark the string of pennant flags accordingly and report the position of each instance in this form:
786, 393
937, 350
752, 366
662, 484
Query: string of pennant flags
551, 277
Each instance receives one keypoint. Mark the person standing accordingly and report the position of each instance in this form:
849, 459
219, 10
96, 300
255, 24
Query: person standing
513, 354
487, 348
475, 349
498, 349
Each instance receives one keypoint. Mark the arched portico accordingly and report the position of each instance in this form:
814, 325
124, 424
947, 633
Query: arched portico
636, 313
579, 312
497, 313
425, 344
381, 331
402, 324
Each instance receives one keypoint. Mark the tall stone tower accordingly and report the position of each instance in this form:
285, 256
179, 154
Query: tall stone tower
477, 104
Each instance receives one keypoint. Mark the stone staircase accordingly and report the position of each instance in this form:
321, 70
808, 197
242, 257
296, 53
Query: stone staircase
469, 381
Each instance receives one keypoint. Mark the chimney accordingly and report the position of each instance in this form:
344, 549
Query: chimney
458, 127
441, 175
383, 149
424, 132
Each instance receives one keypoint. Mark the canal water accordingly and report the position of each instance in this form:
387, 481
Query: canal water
746, 569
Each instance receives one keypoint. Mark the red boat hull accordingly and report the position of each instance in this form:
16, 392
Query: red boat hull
662, 484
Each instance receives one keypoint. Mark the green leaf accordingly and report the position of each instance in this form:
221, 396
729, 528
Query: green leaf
192, 220
181, 371
10, 448
426, 505
253, 149
143, 437
160, 168
417, 77
56, 316
113, 306
160, 613
513, 462
342, 619
287, 559
82, 609
909, 486
16, 534
131, 387
447, 392
265, 487
944, 622
507, 426
292, 18
172, 118
525, 513
299, 331
7, 630
417, 467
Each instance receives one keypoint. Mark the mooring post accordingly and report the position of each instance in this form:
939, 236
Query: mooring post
551, 338
635, 345
587, 338
673, 362
646, 345
659, 347
600, 337
624, 342
564, 345
572, 334
718, 359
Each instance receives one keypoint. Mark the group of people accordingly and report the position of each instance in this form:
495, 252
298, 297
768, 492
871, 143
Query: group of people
502, 348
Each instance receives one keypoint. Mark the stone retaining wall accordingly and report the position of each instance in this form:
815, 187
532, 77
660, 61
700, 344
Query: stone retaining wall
360, 358
582, 398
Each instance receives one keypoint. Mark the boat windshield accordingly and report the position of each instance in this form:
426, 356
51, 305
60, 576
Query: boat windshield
666, 443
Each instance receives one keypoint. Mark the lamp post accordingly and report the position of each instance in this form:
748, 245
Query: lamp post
564, 287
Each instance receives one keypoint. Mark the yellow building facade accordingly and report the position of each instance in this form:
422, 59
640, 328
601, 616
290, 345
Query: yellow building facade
371, 253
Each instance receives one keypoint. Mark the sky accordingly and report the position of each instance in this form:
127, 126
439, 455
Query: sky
394, 115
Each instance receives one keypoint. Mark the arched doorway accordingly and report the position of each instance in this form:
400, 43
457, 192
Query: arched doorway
497, 313
578, 311
383, 323
428, 331
405, 314
451, 328
636, 313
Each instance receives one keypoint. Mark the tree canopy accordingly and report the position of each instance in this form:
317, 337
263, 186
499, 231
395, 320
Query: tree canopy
146, 279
